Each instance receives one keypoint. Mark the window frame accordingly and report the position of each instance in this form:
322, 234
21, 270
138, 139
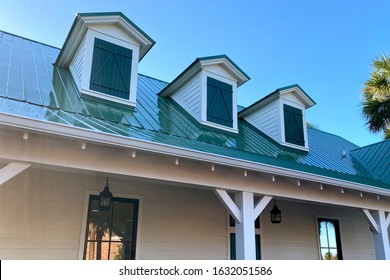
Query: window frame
337, 237
204, 75
87, 49
119, 52
283, 102
232, 230
84, 221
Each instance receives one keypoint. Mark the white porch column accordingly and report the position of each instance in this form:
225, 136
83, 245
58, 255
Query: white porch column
11, 170
379, 223
245, 231
244, 212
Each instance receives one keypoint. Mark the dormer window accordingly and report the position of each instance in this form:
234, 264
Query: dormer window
207, 90
282, 116
293, 125
102, 52
111, 69
219, 102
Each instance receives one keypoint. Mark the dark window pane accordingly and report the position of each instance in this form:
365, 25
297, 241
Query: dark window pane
232, 222
112, 234
233, 246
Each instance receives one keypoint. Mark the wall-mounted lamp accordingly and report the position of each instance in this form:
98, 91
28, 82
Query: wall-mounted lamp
105, 198
276, 214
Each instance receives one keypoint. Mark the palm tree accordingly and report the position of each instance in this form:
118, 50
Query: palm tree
376, 95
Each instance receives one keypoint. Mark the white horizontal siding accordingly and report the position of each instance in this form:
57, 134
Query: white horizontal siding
189, 97
41, 217
76, 66
267, 120
296, 237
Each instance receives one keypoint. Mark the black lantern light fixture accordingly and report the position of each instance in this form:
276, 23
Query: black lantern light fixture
276, 214
105, 198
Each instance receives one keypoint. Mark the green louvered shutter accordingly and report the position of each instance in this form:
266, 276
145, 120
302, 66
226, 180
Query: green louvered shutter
111, 69
293, 125
219, 102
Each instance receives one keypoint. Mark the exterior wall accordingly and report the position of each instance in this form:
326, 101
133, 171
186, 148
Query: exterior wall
267, 120
41, 217
76, 66
189, 97
297, 238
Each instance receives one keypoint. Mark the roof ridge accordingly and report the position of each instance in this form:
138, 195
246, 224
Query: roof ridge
373, 144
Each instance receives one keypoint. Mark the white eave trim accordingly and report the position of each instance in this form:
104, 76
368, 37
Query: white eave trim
80, 27
86, 135
241, 78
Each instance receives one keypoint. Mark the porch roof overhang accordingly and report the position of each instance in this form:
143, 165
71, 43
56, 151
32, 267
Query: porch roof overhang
261, 164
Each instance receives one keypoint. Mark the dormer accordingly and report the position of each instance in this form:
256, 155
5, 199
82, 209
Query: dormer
102, 52
282, 116
207, 90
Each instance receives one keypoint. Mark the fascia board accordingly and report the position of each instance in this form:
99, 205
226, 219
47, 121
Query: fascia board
133, 31
229, 66
187, 74
261, 103
71, 44
61, 130
306, 99
85, 21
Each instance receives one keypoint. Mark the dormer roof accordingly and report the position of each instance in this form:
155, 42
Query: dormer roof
294, 89
200, 63
281, 115
46, 101
207, 90
85, 21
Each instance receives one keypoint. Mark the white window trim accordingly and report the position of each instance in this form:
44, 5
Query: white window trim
204, 120
87, 66
282, 125
84, 219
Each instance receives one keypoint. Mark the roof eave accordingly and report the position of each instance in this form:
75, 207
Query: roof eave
302, 171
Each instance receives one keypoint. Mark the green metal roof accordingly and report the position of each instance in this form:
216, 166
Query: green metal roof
32, 87
374, 160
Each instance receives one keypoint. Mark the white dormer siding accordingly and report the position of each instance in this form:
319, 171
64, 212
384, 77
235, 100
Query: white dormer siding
102, 52
267, 119
207, 90
282, 116
190, 98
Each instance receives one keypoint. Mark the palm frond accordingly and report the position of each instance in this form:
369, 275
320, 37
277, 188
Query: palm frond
376, 96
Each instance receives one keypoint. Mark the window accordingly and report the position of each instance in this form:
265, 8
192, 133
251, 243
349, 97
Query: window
111, 69
219, 102
232, 237
112, 234
329, 239
293, 125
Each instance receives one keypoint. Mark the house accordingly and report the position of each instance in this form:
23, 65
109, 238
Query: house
192, 174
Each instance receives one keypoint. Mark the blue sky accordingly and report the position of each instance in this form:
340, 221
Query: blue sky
325, 46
